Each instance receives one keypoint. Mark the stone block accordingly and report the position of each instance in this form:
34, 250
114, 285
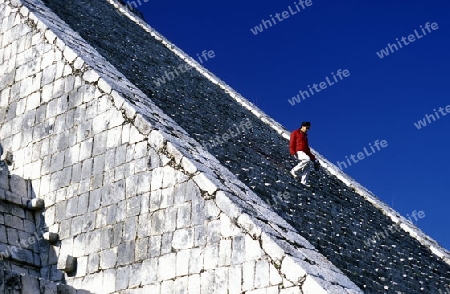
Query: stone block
183, 239
207, 282
144, 225
3, 238
167, 266
206, 183
310, 286
50, 237
93, 282
130, 228
227, 227
72, 155
67, 264
50, 37
14, 222
104, 86
200, 234
93, 239
114, 137
142, 249
83, 204
47, 287
172, 177
110, 159
136, 275
211, 257
120, 156
13, 235
167, 199
150, 268
155, 245
78, 63
225, 204
170, 219
184, 215
291, 290
106, 237
18, 186
96, 181
4, 183
100, 143
94, 199
155, 200
224, 253
235, 279
79, 245
157, 222
86, 168
143, 182
126, 252
248, 275
135, 135
252, 248
48, 75
238, 249
274, 278
292, 270
122, 278
271, 248
194, 284
140, 150
211, 210
69, 54
57, 162
93, 263
246, 222
166, 243
213, 233
262, 274
91, 76
99, 164
108, 258
156, 139
153, 159
82, 263
117, 233
109, 281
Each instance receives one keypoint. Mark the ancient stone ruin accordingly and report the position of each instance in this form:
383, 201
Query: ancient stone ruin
111, 183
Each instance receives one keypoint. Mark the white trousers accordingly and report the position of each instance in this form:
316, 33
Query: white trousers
304, 166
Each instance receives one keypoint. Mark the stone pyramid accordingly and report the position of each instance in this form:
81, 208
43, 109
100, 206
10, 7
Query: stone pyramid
113, 182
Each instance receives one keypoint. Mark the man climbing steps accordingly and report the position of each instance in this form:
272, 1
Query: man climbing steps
299, 147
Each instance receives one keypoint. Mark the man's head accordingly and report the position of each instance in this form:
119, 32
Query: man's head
306, 125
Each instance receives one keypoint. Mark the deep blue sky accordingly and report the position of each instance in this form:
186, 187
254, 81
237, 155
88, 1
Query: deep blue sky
380, 100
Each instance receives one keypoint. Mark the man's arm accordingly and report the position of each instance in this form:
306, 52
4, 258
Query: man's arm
293, 142
311, 156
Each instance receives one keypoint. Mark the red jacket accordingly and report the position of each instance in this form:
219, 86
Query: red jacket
299, 142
